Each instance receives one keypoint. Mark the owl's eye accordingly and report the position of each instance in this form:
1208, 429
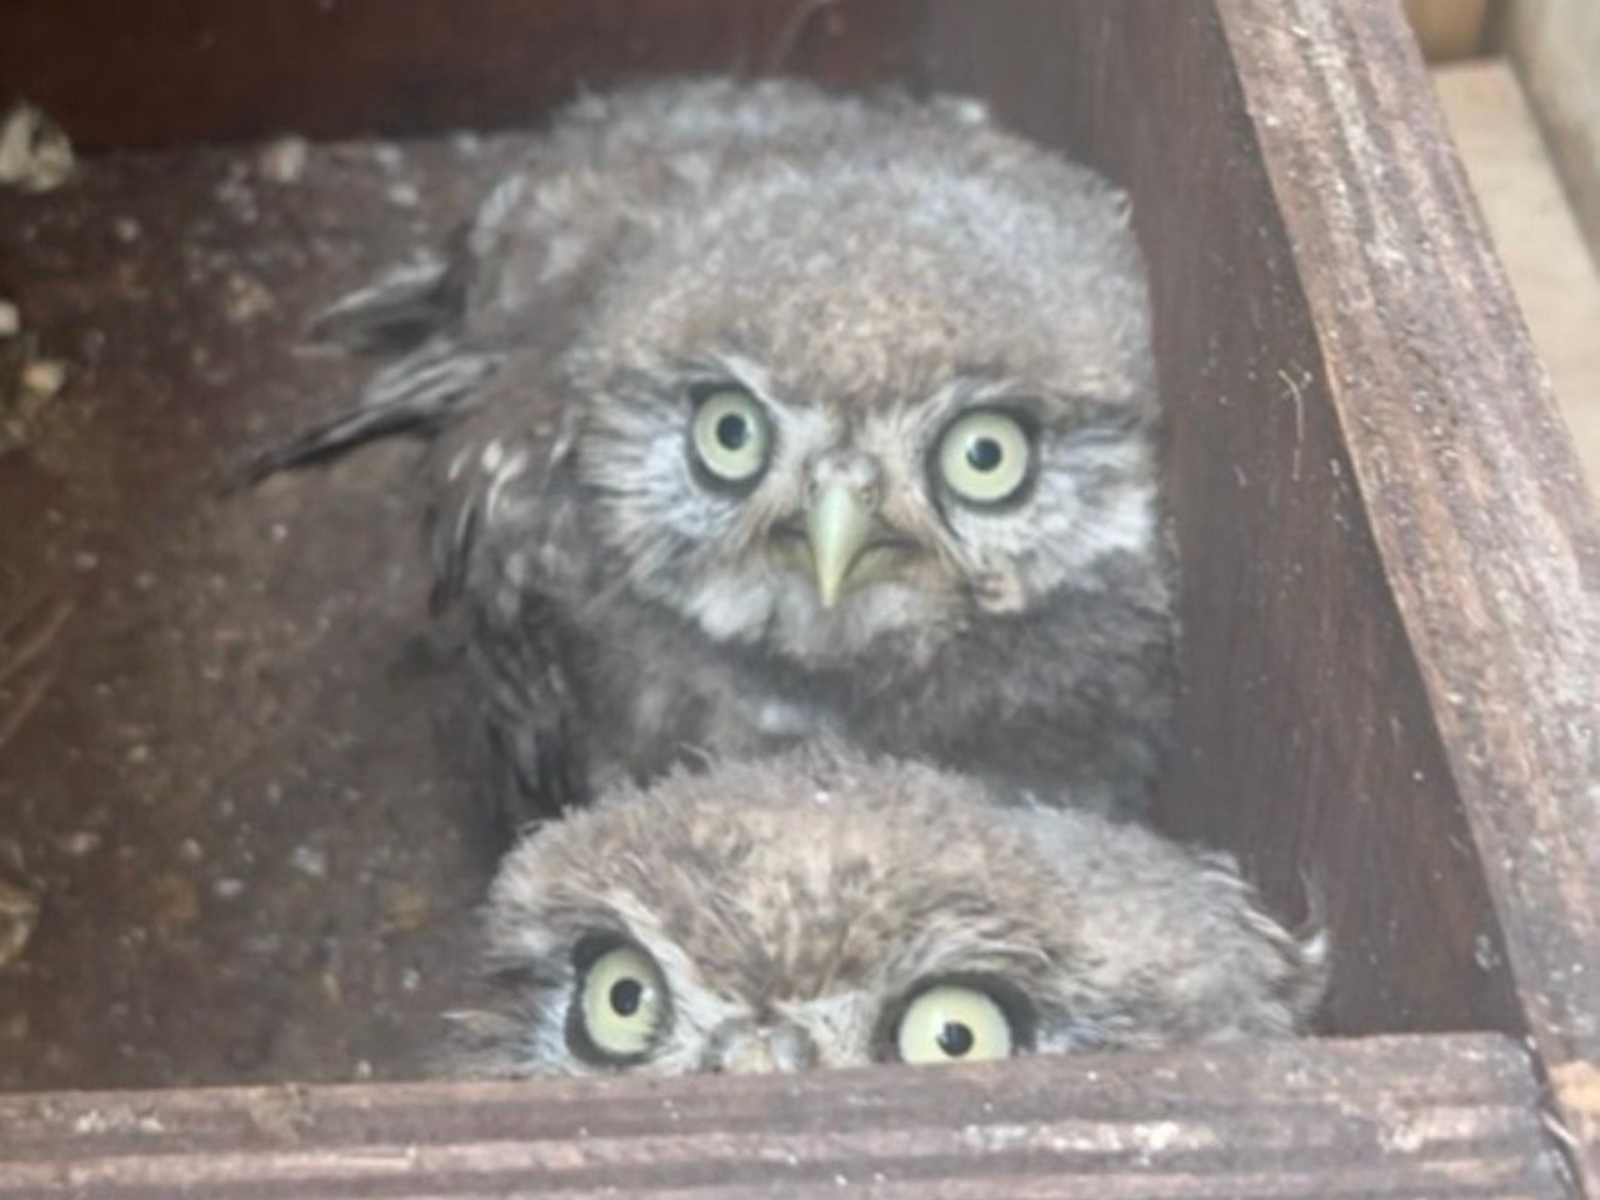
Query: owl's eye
730, 435
621, 1005
953, 1023
984, 456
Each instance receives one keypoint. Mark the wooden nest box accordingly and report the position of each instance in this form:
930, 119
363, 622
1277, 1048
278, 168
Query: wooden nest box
1391, 615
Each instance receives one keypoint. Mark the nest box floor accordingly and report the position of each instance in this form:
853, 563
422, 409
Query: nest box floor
236, 838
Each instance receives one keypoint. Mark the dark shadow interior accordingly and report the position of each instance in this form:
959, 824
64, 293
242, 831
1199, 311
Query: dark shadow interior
235, 793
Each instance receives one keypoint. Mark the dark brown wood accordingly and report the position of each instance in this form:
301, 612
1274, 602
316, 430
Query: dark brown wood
1407, 1117
1469, 482
176, 72
1306, 741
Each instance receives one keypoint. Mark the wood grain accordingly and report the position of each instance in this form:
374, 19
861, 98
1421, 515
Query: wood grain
1413, 1117
1467, 477
1306, 741
165, 73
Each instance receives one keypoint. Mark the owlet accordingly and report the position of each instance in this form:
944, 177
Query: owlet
765, 415
821, 911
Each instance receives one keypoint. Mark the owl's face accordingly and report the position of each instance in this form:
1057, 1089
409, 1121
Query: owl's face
805, 913
873, 400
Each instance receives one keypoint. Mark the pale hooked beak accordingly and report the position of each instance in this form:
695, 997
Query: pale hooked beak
839, 527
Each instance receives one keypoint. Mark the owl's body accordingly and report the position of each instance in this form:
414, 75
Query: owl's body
768, 415
825, 911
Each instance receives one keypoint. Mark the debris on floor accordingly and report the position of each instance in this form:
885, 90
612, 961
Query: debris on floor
240, 793
19, 914
35, 153
28, 381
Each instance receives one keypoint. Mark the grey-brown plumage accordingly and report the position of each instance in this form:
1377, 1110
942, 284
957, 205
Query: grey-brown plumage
816, 911
773, 415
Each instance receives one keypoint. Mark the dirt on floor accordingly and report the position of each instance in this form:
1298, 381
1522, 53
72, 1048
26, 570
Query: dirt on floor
237, 838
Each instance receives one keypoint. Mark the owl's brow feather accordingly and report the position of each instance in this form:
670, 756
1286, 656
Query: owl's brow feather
988, 938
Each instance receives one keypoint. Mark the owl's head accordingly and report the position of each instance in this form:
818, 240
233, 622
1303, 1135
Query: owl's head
878, 379
809, 912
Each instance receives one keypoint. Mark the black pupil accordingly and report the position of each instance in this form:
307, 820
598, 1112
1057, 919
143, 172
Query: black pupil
626, 996
984, 454
733, 431
955, 1039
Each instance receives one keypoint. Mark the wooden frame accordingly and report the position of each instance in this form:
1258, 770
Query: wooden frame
1406, 1117
1392, 568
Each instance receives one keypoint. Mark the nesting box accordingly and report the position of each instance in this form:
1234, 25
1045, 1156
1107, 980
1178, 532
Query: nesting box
1391, 632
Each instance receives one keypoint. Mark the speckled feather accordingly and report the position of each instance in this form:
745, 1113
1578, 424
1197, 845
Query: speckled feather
867, 269
802, 899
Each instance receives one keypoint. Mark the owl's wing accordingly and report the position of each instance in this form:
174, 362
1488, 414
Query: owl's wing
404, 307
517, 275
533, 728
511, 280
416, 394
513, 559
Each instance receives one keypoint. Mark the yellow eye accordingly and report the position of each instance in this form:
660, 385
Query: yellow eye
622, 1003
983, 456
730, 435
950, 1023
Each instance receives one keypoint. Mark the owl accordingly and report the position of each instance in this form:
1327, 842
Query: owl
765, 415
818, 910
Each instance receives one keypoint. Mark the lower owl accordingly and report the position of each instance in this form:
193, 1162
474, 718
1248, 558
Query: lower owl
819, 911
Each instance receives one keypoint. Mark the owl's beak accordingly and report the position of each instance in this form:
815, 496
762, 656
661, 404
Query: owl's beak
839, 527
741, 1048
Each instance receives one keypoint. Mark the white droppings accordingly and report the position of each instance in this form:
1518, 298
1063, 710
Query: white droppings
283, 160
35, 153
117, 1119
310, 861
44, 377
404, 194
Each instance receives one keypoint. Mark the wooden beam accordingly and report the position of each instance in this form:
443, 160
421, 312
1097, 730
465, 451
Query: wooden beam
1397, 1117
1468, 477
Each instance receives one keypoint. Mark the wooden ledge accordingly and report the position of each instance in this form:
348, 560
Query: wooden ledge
1416, 1117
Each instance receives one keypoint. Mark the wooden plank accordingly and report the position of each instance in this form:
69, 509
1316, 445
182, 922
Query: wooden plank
1467, 476
1413, 1117
207, 72
1305, 740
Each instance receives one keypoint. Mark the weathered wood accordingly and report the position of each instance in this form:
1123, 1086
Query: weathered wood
1305, 739
1467, 477
203, 71
1412, 1117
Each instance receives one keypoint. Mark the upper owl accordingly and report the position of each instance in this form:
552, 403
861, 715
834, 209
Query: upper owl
772, 413
809, 911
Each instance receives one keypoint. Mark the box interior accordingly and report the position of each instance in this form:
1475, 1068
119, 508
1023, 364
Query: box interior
238, 791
